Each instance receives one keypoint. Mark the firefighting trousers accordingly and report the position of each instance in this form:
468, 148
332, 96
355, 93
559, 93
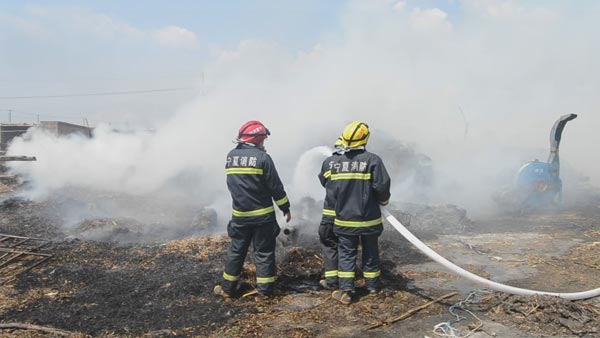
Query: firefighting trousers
347, 252
329, 247
262, 237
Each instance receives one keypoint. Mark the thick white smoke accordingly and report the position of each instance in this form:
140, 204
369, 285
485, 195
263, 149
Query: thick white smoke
512, 69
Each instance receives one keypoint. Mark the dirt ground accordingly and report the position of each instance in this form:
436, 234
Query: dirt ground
104, 288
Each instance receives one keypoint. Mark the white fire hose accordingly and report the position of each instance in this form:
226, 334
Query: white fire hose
474, 278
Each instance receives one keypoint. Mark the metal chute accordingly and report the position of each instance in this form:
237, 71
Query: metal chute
555, 136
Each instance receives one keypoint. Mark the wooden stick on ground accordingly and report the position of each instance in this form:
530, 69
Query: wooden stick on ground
17, 158
588, 265
250, 293
25, 326
411, 311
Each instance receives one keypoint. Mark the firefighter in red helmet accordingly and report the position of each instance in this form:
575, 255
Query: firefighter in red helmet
254, 185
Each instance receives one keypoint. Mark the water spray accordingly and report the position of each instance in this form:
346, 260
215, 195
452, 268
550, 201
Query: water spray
304, 182
473, 277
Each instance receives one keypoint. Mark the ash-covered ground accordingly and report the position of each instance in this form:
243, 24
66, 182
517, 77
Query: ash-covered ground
112, 277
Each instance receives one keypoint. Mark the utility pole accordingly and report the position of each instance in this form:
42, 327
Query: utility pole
38, 118
9, 116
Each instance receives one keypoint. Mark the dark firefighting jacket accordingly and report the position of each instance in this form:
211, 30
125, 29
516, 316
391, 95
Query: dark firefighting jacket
360, 185
254, 184
324, 178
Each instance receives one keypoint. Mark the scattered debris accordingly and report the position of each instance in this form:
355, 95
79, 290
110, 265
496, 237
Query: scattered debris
106, 287
411, 311
539, 314
109, 230
20, 254
432, 219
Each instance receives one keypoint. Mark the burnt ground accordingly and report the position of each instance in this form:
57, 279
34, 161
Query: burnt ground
103, 288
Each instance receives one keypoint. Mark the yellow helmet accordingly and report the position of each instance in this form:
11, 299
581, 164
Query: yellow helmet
339, 142
355, 134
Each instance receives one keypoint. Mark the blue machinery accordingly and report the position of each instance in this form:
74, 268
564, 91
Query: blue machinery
538, 184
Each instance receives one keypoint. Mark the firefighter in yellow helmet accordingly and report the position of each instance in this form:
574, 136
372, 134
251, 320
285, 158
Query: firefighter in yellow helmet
360, 184
328, 239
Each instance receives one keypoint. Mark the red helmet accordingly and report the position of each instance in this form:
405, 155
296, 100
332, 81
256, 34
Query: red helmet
253, 132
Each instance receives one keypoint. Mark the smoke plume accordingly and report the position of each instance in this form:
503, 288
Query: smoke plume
476, 92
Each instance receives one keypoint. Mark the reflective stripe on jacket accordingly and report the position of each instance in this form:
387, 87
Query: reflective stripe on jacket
254, 185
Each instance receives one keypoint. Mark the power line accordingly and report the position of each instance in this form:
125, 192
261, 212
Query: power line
38, 115
45, 115
17, 111
129, 92
182, 74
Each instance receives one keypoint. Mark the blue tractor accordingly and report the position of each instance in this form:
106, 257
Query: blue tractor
538, 184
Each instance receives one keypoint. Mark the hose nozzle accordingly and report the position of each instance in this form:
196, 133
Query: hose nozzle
289, 230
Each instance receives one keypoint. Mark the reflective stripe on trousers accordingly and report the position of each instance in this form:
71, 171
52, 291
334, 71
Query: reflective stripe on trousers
251, 213
358, 224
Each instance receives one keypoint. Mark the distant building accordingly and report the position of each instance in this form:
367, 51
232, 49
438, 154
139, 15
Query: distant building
8, 131
62, 128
